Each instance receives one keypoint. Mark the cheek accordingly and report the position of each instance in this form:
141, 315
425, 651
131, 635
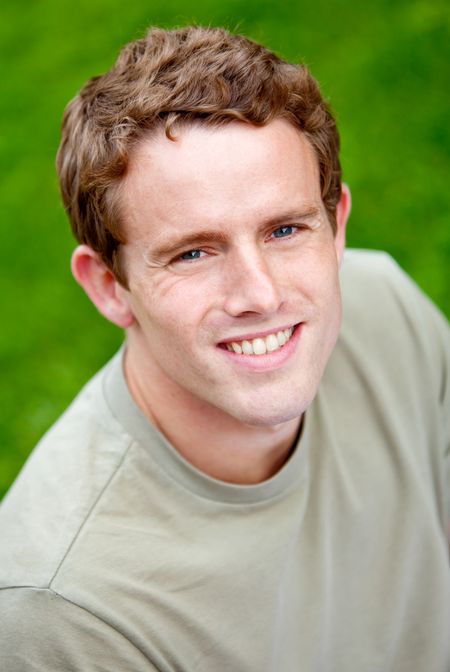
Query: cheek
316, 277
173, 313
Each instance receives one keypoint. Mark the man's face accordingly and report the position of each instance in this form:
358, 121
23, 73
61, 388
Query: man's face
230, 254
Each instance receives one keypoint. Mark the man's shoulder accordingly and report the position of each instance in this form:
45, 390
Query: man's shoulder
387, 381
393, 352
373, 275
381, 302
57, 488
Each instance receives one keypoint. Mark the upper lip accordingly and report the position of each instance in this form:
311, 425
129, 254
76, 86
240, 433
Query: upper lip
259, 334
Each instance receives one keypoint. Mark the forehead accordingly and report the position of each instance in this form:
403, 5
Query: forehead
218, 175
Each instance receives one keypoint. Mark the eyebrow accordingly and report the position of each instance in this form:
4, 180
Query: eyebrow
202, 237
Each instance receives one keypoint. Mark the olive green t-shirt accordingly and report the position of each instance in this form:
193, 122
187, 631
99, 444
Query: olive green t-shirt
116, 555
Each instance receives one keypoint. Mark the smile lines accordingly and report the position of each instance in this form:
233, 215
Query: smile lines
261, 346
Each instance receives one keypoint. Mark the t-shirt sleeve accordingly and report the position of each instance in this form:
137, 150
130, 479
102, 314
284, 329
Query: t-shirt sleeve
436, 334
40, 631
432, 331
411, 337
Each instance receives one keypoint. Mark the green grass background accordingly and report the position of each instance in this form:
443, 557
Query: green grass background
383, 64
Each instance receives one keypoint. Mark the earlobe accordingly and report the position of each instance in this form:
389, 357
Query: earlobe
99, 283
343, 210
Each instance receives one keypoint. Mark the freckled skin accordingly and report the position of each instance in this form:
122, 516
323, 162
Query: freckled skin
253, 278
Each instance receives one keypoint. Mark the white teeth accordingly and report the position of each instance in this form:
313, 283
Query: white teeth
259, 346
281, 338
272, 343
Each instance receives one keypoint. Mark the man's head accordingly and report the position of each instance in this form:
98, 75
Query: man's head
202, 179
167, 80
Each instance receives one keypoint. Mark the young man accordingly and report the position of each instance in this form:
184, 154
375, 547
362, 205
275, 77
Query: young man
239, 489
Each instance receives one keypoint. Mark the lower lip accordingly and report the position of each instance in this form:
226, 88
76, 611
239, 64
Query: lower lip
269, 361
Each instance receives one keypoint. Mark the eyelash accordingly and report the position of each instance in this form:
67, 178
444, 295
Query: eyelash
294, 229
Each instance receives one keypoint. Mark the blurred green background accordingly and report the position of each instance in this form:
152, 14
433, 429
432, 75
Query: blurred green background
383, 64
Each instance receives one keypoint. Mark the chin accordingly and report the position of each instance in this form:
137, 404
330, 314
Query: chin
269, 414
274, 404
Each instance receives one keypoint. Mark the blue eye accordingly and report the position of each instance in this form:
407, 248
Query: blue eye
284, 231
191, 255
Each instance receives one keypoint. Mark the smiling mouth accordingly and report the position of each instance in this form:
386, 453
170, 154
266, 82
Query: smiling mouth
261, 346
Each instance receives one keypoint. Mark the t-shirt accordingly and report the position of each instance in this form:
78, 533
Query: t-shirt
118, 555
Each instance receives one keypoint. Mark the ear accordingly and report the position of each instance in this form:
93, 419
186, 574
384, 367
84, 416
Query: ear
99, 283
343, 209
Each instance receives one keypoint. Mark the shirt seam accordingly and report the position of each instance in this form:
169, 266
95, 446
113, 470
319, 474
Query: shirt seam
88, 515
79, 606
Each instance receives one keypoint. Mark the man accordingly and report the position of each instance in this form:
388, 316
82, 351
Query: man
234, 491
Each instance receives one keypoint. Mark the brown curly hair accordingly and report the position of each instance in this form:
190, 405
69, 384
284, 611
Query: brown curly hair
168, 78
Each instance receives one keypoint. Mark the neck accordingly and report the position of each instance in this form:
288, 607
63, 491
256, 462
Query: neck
211, 440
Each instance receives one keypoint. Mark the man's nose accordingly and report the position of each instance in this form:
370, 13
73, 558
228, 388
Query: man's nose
251, 286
